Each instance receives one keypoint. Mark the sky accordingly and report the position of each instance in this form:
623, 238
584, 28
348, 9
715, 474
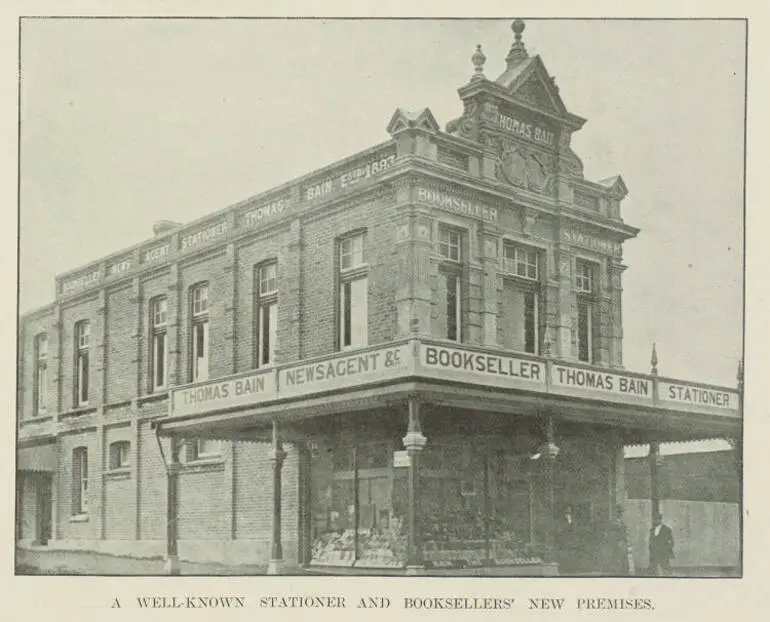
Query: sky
126, 122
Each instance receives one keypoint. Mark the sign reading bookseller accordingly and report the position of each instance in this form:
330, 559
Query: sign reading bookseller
489, 369
689, 396
81, 282
600, 384
351, 176
451, 201
344, 371
256, 387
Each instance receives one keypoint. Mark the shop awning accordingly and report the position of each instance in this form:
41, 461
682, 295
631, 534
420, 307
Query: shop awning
37, 458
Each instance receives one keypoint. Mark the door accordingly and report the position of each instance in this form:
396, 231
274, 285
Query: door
44, 508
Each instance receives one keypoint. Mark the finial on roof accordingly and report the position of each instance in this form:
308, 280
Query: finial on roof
478, 59
518, 52
654, 360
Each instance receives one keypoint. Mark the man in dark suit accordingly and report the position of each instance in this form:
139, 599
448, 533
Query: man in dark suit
661, 546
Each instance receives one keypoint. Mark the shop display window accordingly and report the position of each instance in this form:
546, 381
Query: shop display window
355, 520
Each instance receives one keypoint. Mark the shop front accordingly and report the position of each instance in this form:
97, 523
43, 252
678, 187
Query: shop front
457, 460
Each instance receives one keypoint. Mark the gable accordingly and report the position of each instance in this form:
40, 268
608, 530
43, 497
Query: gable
537, 89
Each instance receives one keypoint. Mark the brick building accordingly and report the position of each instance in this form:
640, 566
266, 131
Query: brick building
411, 358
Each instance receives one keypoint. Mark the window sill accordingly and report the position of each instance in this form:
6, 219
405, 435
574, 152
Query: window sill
36, 419
119, 473
204, 465
79, 518
76, 412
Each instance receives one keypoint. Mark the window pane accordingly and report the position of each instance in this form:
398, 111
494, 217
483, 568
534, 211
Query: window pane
358, 312
267, 333
83, 377
200, 299
268, 282
584, 331
160, 312
345, 314
352, 251
200, 351
159, 360
272, 330
453, 307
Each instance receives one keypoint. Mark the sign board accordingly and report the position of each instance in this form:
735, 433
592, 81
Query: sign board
591, 242
217, 395
401, 459
481, 367
688, 396
345, 371
600, 384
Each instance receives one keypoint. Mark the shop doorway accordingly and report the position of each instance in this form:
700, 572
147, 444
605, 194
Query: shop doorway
44, 509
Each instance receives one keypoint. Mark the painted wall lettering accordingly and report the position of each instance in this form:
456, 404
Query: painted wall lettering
455, 203
205, 235
527, 130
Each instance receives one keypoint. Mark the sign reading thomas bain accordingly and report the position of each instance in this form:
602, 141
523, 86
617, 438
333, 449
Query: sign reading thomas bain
344, 371
600, 383
249, 389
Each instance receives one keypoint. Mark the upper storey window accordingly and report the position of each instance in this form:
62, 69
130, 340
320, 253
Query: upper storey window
82, 349
199, 306
267, 312
585, 280
520, 314
158, 361
450, 244
353, 292
41, 373
450, 248
521, 261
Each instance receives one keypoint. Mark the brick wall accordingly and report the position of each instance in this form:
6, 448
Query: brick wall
264, 248
40, 323
705, 476
87, 529
254, 492
88, 309
319, 313
121, 374
119, 489
152, 485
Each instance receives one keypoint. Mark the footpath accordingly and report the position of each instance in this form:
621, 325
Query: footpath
46, 562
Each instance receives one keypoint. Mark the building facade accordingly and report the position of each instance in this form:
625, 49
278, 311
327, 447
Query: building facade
410, 359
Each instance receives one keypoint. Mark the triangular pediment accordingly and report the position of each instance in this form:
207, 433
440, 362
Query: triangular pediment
404, 119
533, 86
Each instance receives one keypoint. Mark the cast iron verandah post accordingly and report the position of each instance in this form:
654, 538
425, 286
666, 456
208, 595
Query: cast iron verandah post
172, 479
276, 457
414, 441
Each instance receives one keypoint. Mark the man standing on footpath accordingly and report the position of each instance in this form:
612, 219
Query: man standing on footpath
661, 546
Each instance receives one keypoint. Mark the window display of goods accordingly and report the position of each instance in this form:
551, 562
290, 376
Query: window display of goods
334, 549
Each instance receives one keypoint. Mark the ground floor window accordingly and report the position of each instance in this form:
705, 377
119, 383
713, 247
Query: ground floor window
476, 505
357, 517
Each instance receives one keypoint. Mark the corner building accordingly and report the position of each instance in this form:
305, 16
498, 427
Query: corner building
408, 360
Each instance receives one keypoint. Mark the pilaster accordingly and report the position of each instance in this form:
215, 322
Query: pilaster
489, 262
175, 319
